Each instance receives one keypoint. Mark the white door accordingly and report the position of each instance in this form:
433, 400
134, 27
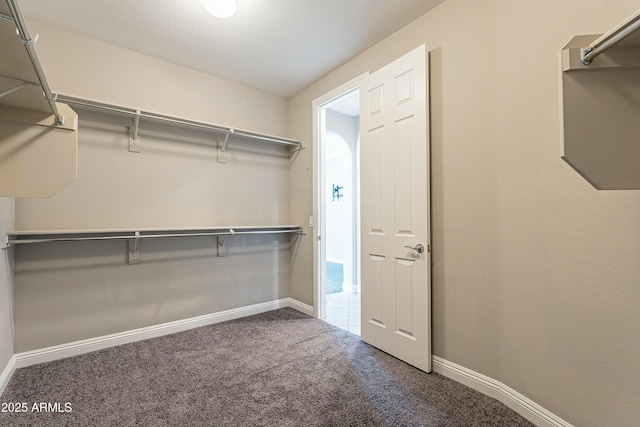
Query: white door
396, 306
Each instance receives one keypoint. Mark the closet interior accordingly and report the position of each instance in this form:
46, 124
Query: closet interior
196, 259
600, 92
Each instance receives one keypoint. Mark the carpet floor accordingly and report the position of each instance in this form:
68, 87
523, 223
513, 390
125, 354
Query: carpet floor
280, 368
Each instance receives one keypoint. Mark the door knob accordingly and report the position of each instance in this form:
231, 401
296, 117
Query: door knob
418, 248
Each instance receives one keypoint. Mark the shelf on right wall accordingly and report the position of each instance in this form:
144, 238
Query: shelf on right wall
601, 106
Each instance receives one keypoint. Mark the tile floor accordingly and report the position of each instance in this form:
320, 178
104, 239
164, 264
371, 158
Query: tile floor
343, 311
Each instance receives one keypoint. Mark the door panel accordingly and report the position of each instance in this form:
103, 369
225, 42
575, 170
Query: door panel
405, 283
376, 266
403, 173
377, 178
395, 210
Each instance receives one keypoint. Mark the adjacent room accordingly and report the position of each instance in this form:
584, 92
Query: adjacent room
319, 212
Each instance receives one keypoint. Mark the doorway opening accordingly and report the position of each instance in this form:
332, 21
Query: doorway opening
338, 209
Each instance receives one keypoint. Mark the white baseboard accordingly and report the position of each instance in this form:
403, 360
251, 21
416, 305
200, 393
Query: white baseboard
48, 354
300, 306
505, 394
7, 372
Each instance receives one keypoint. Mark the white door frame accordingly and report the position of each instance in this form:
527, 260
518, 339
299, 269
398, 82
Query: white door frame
318, 221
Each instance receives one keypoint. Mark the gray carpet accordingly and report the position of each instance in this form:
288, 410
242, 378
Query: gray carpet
280, 368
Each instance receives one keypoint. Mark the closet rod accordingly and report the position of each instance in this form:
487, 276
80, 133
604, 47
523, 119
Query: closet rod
18, 238
29, 44
606, 41
267, 138
131, 112
176, 120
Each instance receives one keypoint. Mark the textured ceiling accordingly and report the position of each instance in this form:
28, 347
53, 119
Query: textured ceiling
279, 46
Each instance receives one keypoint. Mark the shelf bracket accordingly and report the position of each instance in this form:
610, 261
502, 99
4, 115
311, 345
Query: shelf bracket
584, 51
222, 147
134, 250
222, 249
297, 149
134, 140
5, 242
27, 42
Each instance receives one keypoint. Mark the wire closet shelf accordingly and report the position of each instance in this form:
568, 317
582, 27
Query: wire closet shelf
28, 237
137, 116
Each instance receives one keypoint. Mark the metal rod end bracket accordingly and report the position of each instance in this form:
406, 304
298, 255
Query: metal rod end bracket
583, 55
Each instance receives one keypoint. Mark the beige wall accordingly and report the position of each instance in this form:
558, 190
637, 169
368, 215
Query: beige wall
6, 285
66, 292
71, 291
536, 274
176, 180
84, 67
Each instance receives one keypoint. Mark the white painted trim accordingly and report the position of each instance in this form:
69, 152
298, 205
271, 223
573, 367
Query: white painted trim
48, 354
300, 306
505, 394
7, 373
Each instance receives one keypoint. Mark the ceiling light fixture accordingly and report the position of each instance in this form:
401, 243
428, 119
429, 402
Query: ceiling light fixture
221, 8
